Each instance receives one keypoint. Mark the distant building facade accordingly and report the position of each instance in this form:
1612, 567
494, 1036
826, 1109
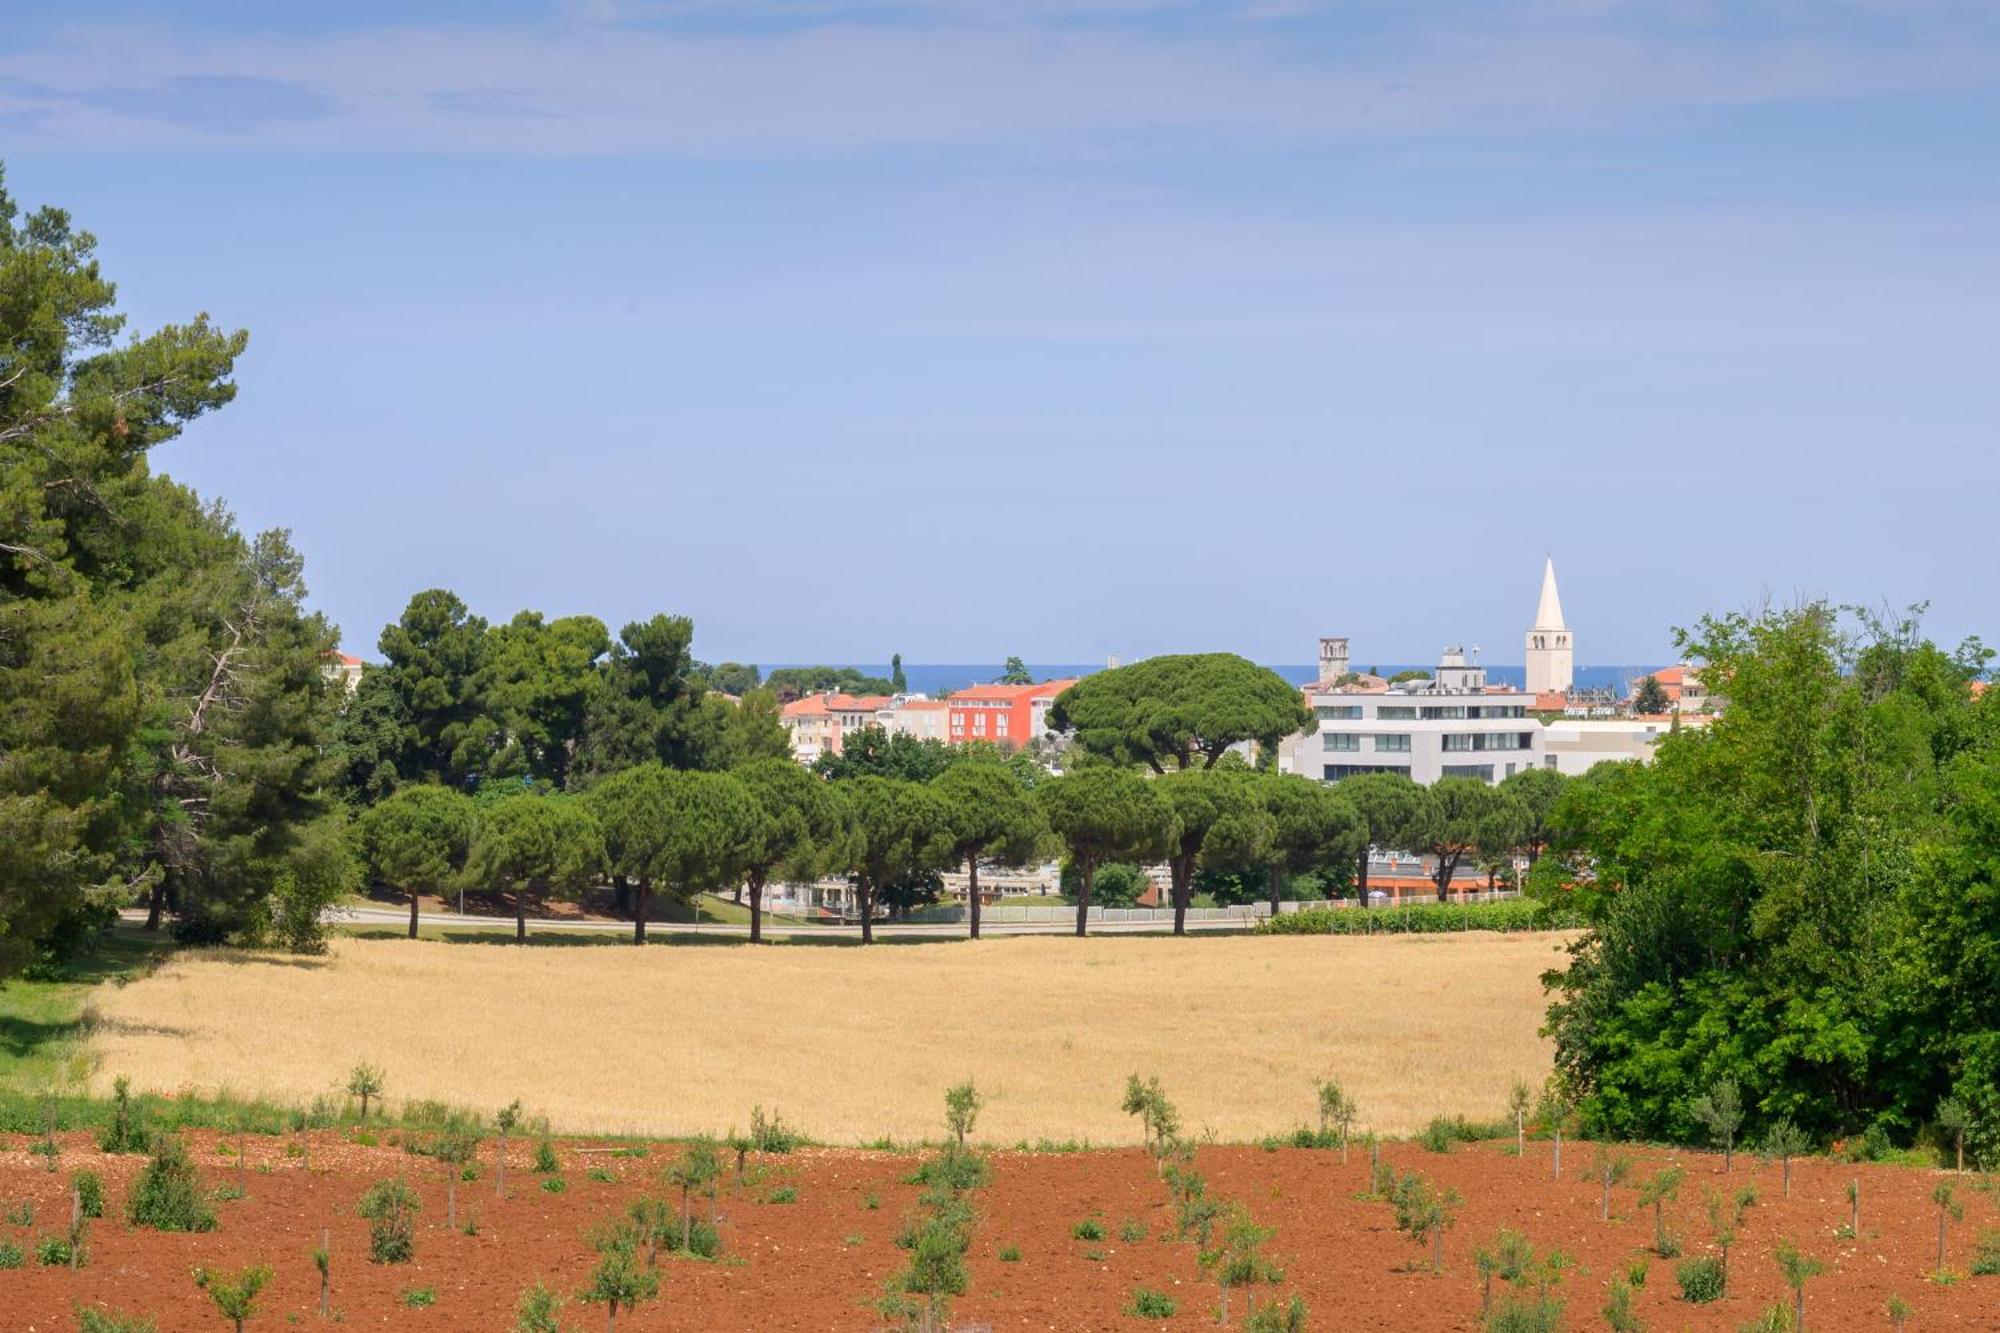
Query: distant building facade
1551, 651
1454, 725
1005, 715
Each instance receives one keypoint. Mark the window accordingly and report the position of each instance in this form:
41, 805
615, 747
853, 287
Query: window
1396, 713
1484, 772
1459, 741
1342, 740
1390, 744
1338, 712
1335, 772
1548, 761
1444, 711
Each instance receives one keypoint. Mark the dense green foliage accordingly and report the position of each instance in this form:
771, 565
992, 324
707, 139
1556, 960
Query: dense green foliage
1802, 898
161, 698
1180, 711
1424, 919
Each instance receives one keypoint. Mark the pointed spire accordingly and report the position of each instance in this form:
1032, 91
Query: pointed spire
1549, 614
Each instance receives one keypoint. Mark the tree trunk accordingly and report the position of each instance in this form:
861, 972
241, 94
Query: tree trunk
757, 907
451, 1195
521, 917
1559, 1153
1446, 865
500, 1170
1788, 1177
621, 895
1854, 1210
156, 903
1799, 1309
1277, 885
413, 913
324, 1274
1083, 899
1180, 876
972, 893
1361, 877
1941, 1226
864, 898
641, 896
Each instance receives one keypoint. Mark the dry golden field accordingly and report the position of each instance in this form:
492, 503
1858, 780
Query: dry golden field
852, 1044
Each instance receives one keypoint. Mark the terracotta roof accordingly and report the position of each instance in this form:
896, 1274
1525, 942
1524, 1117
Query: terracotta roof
1551, 701
813, 705
922, 706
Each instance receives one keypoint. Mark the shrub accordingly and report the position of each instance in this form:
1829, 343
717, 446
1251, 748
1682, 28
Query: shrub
167, 1194
1424, 1213
417, 1298
1525, 1312
961, 1111
1337, 1112
234, 1294
1700, 1279
89, 1188
546, 1161
951, 1171
1654, 1194
1159, 1122
10, 1254
124, 1133
1986, 1255
1720, 1111
1149, 1304
1783, 1141
365, 1082
1131, 1231
1088, 1229
782, 1194
1424, 918
1949, 1210
554, 1185
1776, 1319
56, 1252
1237, 1258
90, 1320
1797, 1269
773, 1135
619, 1282
601, 1174
391, 1208
538, 1311
1279, 1317
22, 1214
1010, 1254
1619, 1316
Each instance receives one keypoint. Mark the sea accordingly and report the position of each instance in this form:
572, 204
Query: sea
934, 677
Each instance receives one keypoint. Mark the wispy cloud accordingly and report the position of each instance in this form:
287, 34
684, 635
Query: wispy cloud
619, 76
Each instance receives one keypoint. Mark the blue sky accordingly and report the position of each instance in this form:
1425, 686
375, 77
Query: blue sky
1067, 327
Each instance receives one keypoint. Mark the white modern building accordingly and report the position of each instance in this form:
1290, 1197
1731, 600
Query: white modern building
1454, 725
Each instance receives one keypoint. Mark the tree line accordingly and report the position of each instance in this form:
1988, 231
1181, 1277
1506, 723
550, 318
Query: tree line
1797, 900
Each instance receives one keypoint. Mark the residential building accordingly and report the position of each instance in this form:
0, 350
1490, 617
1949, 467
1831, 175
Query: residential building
914, 715
819, 721
1683, 688
1453, 725
1007, 715
1573, 745
1551, 652
345, 668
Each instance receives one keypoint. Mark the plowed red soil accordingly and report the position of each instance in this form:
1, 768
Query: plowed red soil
820, 1262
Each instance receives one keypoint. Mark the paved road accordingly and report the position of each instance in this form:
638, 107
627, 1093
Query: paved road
400, 918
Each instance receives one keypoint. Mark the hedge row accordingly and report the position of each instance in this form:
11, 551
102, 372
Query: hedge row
1422, 919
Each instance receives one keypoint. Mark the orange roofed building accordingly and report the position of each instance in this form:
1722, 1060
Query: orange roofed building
1006, 715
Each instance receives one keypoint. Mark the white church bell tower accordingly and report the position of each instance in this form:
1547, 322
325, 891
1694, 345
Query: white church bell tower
1551, 654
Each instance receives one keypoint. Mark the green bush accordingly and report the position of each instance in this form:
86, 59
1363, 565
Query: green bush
1131, 1231
1422, 919
1010, 1254
1524, 1312
538, 1311
390, 1207
1088, 1229
10, 1254
782, 1194
89, 1320
554, 1185
546, 1160
1986, 1255
418, 1298
89, 1192
124, 1133
1149, 1304
1278, 1317
953, 1171
772, 1135
55, 1252
21, 1214
1701, 1279
167, 1196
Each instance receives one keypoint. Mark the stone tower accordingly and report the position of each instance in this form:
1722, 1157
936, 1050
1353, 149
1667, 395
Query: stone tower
1551, 654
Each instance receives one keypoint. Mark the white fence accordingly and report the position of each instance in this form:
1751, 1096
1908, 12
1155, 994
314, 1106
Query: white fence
1247, 914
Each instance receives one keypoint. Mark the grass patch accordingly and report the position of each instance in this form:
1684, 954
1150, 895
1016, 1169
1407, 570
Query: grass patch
41, 1021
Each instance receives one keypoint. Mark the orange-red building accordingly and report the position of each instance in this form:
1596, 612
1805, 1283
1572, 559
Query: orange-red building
1007, 715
